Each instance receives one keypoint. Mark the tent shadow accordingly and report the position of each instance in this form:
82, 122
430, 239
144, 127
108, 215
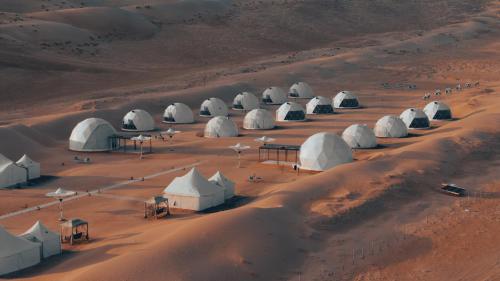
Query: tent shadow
235, 202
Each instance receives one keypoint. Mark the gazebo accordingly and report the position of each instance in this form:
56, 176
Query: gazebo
74, 230
156, 207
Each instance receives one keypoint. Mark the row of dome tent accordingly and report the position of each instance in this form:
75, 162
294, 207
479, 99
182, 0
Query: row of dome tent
16, 173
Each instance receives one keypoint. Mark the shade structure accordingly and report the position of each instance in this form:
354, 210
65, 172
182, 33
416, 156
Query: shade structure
16, 253
345, 99
290, 111
92, 134
219, 179
323, 151
359, 136
246, 101
138, 120
193, 192
178, 113
437, 110
60, 193
221, 127
301, 90
319, 105
258, 119
390, 126
273, 95
32, 167
213, 107
50, 241
10, 173
415, 118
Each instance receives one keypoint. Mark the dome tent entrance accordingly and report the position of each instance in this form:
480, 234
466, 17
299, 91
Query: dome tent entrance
258, 119
16, 253
213, 107
246, 101
415, 118
92, 134
32, 167
50, 241
178, 113
138, 120
345, 99
290, 111
273, 95
359, 136
437, 110
220, 127
10, 173
301, 90
323, 151
390, 127
319, 105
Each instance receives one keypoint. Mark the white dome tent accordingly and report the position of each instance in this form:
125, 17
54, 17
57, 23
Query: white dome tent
438, 110
221, 180
138, 120
178, 113
319, 105
10, 173
213, 107
415, 118
221, 127
359, 136
50, 241
301, 90
258, 119
290, 111
32, 167
323, 151
345, 99
246, 101
16, 253
390, 126
92, 134
273, 95
193, 192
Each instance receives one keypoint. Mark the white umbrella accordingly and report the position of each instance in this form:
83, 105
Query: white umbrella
170, 133
61, 194
239, 149
141, 139
264, 140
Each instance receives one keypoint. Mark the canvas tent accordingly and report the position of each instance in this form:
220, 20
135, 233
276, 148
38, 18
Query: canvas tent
415, 118
10, 173
221, 127
319, 105
178, 113
245, 101
273, 95
437, 110
258, 119
290, 111
221, 180
16, 253
390, 127
50, 241
138, 120
345, 99
323, 151
359, 136
92, 134
32, 167
193, 192
213, 107
301, 90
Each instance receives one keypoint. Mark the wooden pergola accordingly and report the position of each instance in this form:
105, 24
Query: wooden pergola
77, 229
156, 207
276, 149
120, 141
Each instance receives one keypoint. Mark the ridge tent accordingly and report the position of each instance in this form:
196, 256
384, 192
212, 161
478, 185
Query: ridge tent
10, 173
16, 253
32, 167
221, 180
50, 241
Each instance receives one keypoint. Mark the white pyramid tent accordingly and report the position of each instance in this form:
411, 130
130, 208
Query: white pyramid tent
345, 99
221, 127
319, 105
273, 95
138, 120
10, 173
213, 107
193, 192
178, 113
359, 136
415, 118
258, 119
323, 151
390, 126
16, 253
246, 101
220, 180
290, 111
91, 134
32, 167
301, 90
438, 110
50, 241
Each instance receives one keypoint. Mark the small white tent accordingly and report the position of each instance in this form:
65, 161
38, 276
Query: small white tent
16, 253
193, 192
390, 127
138, 120
301, 90
319, 105
220, 180
359, 136
345, 99
50, 241
415, 118
10, 173
323, 151
221, 127
178, 113
290, 111
246, 101
32, 167
213, 107
91, 134
438, 110
273, 95
258, 119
